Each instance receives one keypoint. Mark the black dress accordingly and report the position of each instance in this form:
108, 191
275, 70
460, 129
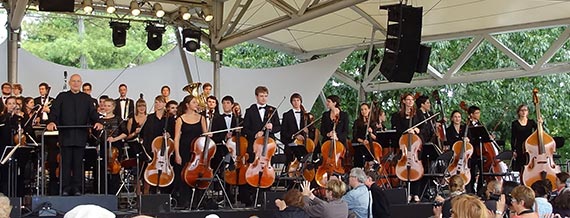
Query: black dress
453, 136
188, 132
519, 134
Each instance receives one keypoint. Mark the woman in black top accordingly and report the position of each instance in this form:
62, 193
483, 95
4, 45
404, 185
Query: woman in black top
359, 137
328, 118
521, 129
456, 130
115, 130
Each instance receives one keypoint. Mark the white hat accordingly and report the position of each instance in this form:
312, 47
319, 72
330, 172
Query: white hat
89, 211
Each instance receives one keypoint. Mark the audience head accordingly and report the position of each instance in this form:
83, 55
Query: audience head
5, 207
494, 188
456, 184
357, 177
372, 177
542, 188
561, 179
468, 206
335, 189
508, 187
294, 198
562, 201
522, 198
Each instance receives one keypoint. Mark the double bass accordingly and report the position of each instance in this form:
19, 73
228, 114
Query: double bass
237, 146
332, 151
540, 147
409, 167
197, 172
462, 151
440, 129
260, 173
160, 172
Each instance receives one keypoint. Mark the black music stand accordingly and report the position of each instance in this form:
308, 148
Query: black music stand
225, 161
482, 135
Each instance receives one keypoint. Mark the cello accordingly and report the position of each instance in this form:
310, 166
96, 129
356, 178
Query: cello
160, 172
332, 151
237, 146
409, 167
197, 172
462, 151
540, 147
260, 173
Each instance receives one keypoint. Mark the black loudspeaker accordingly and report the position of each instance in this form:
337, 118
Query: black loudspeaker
158, 203
269, 200
57, 5
423, 59
396, 196
411, 210
402, 44
66, 203
16, 204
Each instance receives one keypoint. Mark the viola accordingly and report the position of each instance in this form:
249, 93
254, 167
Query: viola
199, 168
260, 173
462, 151
333, 153
160, 172
237, 146
540, 147
409, 166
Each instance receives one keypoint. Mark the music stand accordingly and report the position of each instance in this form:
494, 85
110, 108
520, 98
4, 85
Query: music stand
481, 134
387, 138
13, 167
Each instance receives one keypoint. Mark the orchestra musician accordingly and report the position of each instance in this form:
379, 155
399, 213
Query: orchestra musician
155, 125
521, 129
87, 89
100, 108
456, 130
10, 120
134, 126
428, 130
44, 101
72, 108
475, 161
125, 106
359, 128
6, 91
253, 126
401, 122
165, 92
172, 108
211, 109
226, 120
189, 126
379, 126
293, 121
17, 90
116, 130
328, 118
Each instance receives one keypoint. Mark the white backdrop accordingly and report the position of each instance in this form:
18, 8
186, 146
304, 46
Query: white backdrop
306, 78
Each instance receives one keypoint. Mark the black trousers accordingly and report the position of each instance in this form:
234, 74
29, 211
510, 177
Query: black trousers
72, 166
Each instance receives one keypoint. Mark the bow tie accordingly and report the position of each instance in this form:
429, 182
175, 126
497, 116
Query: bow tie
264, 107
297, 112
227, 115
123, 100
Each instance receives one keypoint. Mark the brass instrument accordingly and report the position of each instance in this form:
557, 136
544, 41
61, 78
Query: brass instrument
194, 90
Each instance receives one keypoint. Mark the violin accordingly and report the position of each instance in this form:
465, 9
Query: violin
540, 147
237, 146
199, 167
160, 172
333, 152
441, 128
260, 173
409, 166
462, 151
309, 144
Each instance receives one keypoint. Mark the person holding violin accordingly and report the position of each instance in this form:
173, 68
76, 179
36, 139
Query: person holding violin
293, 121
154, 126
405, 118
69, 109
521, 129
44, 100
226, 120
359, 137
116, 130
253, 127
189, 126
10, 120
334, 114
211, 110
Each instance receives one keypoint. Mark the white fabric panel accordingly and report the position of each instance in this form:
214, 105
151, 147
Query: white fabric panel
307, 78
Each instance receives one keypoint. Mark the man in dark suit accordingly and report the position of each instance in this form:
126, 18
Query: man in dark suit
87, 88
125, 106
256, 123
43, 100
223, 121
293, 121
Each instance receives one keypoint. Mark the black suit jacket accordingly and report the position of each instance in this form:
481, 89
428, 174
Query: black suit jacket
253, 123
380, 203
289, 127
130, 104
341, 127
71, 109
38, 101
219, 123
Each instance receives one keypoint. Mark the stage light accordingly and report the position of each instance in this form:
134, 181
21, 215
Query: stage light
184, 13
154, 35
191, 39
157, 9
207, 14
135, 9
87, 6
110, 6
119, 33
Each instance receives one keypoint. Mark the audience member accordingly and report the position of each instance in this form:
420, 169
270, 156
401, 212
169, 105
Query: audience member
291, 206
358, 199
5, 207
522, 201
492, 194
561, 204
541, 190
380, 203
456, 188
334, 207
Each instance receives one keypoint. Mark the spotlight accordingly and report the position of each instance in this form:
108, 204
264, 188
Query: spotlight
191, 39
184, 13
157, 8
135, 9
87, 6
207, 14
119, 33
110, 6
154, 35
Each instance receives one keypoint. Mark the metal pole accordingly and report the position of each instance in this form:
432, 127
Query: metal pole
13, 38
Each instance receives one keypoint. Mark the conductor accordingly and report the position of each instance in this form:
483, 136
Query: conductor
73, 108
